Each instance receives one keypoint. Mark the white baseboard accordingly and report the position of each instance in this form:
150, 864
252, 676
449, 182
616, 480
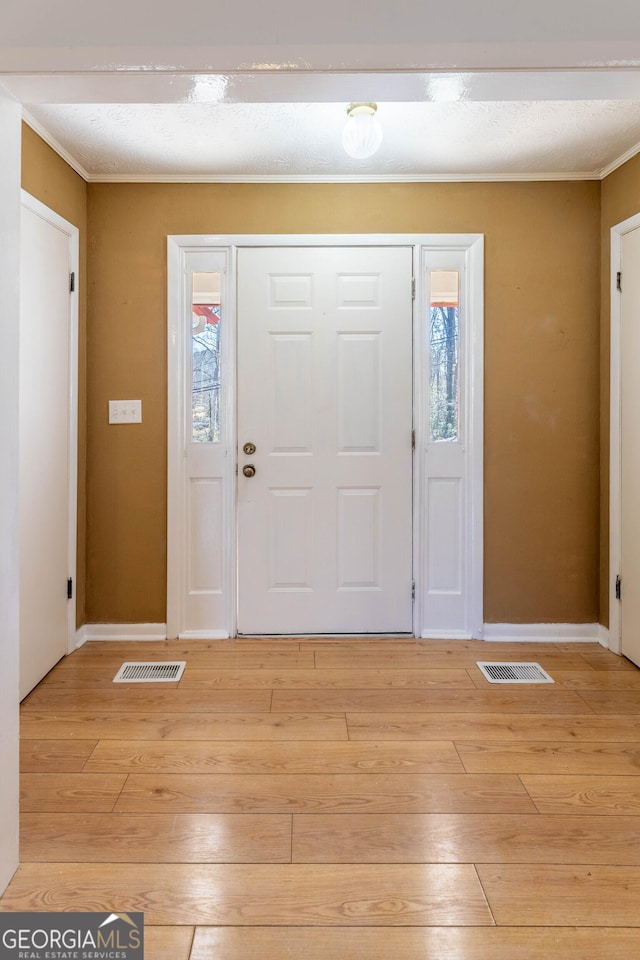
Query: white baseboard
445, 635
204, 635
544, 632
81, 638
603, 636
125, 631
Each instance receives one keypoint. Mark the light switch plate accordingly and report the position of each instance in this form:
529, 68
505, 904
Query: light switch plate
125, 411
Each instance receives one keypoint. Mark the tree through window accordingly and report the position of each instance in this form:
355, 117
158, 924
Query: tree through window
444, 362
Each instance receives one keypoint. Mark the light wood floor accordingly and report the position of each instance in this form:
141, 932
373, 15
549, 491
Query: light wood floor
321, 799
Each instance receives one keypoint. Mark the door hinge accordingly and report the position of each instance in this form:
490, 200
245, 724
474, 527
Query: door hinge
413, 288
72, 282
413, 439
69, 589
618, 588
619, 281
413, 589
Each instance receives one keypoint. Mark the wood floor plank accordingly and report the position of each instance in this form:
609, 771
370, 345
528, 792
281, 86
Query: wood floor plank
536, 700
173, 649
558, 895
388, 644
207, 655
54, 756
414, 943
241, 894
78, 792
337, 793
613, 702
181, 726
205, 678
464, 838
89, 680
492, 726
168, 943
151, 698
154, 838
602, 796
424, 658
552, 757
179, 756
604, 660
597, 679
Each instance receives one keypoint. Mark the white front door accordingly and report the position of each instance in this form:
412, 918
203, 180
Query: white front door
630, 444
47, 542
325, 396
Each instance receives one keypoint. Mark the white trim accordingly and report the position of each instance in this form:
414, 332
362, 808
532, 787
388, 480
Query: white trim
543, 632
9, 486
81, 637
439, 241
445, 635
475, 428
124, 631
332, 178
617, 232
622, 159
204, 635
73, 233
44, 134
175, 485
603, 637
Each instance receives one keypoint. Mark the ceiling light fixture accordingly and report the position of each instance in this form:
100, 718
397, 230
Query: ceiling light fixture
362, 134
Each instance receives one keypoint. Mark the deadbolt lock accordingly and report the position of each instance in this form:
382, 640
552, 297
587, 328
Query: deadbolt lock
249, 470
249, 449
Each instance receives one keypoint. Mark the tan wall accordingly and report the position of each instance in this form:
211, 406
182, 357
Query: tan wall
620, 200
46, 176
541, 381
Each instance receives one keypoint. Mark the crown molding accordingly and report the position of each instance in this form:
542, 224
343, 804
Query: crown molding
628, 155
343, 178
42, 132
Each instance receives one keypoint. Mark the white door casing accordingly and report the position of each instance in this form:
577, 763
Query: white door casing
325, 394
217, 615
624, 623
48, 439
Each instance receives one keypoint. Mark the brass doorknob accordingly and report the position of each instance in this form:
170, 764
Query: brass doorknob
249, 449
249, 470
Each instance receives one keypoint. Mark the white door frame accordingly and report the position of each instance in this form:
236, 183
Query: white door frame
72, 232
615, 489
178, 247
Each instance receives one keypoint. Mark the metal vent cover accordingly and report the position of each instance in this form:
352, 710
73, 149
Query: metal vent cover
133, 671
514, 672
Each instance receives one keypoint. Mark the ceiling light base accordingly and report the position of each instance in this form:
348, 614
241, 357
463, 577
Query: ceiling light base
362, 134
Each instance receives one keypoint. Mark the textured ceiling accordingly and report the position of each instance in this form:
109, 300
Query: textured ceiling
293, 140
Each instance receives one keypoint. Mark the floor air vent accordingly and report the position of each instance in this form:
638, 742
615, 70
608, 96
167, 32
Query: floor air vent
153, 672
514, 672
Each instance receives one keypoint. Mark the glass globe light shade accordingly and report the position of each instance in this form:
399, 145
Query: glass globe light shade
362, 134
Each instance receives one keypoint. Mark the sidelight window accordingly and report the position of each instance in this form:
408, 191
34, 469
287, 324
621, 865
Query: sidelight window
205, 357
444, 355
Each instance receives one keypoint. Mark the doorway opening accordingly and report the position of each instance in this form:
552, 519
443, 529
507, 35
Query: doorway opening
325, 436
